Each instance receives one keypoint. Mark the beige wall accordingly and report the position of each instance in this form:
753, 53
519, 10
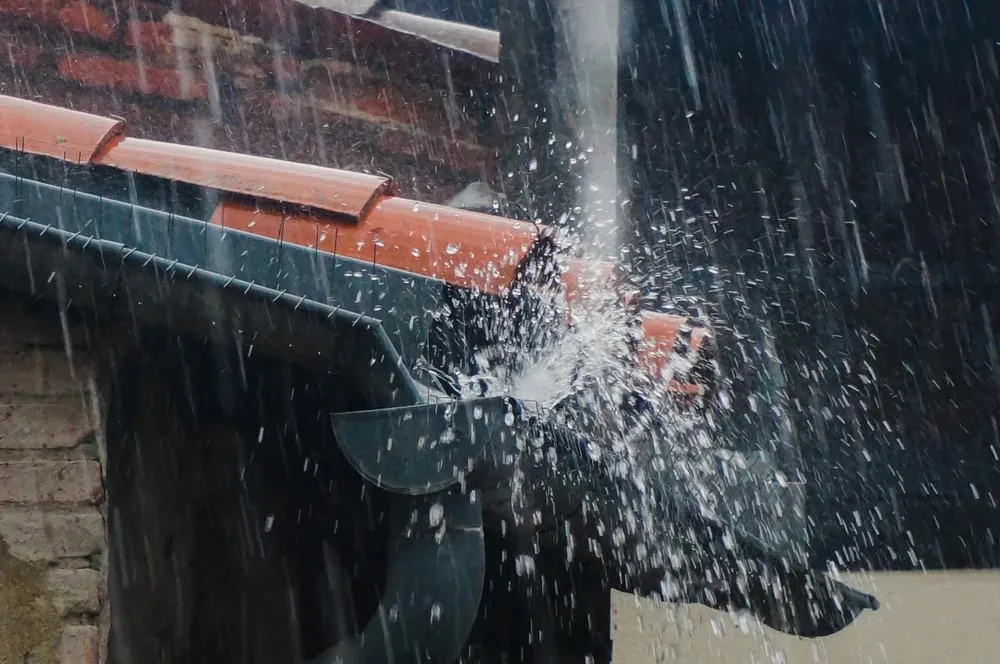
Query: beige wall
937, 617
52, 537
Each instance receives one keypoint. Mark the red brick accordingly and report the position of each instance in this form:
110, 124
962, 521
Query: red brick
44, 12
150, 37
78, 644
106, 72
35, 481
85, 19
375, 101
35, 534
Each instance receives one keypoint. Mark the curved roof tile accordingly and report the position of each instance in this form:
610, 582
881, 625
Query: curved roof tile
660, 332
462, 248
479, 42
56, 132
83, 138
340, 192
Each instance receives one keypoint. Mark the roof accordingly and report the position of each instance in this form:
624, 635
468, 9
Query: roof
342, 212
317, 25
470, 39
270, 78
55, 132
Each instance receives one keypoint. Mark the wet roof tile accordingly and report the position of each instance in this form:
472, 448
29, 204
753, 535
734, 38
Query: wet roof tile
321, 25
77, 137
51, 131
463, 248
470, 39
341, 192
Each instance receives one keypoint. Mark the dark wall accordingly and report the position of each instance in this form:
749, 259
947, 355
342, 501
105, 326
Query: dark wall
224, 486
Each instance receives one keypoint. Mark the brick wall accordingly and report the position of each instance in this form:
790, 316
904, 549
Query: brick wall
177, 78
52, 529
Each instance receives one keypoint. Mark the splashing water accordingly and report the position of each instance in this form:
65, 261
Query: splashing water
592, 84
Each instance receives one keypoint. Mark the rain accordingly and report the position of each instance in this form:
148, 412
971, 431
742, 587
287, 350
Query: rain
499, 331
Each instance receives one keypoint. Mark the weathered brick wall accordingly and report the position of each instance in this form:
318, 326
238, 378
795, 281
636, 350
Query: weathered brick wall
52, 529
176, 78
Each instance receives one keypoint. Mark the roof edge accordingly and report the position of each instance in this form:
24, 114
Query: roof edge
53, 131
82, 138
479, 42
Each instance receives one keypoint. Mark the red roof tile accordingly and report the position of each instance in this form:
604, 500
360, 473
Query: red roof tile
466, 249
54, 132
341, 192
659, 335
341, 212
275, 78
469, 39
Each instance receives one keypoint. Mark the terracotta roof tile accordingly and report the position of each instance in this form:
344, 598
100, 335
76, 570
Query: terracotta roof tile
179, 78
341, 212
469, 39
660, 333
341, 192
462, 248
54, 132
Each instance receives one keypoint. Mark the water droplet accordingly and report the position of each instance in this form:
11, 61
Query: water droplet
451, 249
436, 515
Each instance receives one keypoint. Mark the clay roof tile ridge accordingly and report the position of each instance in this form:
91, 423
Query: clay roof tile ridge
77, 137
51, 131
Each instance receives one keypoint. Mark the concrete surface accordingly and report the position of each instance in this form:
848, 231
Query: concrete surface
935, 617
